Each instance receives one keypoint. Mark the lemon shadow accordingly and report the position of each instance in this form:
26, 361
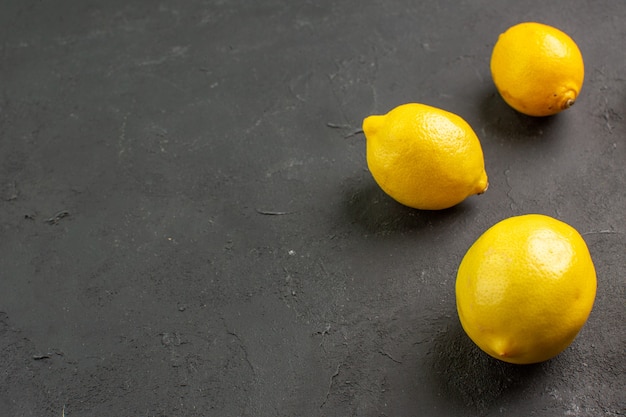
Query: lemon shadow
509, 125
369, 207
469, 379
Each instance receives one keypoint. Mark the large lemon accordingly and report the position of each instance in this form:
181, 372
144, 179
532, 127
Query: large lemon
537, 69
525, 288
424, 157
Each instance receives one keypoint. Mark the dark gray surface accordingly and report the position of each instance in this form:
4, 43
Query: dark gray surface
170, 132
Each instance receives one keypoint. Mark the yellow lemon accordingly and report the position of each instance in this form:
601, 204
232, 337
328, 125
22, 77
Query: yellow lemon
537, 69
424, 157
525, 288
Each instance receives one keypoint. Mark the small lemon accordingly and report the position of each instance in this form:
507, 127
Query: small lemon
424, 157
537, 69
525, 288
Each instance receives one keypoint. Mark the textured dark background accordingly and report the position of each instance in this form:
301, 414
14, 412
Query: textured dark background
225, 250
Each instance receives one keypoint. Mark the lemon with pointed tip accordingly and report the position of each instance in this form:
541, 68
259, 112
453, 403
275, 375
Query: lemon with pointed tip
538, 69
424, 157
525, 288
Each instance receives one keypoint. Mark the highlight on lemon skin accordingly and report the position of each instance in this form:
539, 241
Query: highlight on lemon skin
537, 69
424, 157
525, 288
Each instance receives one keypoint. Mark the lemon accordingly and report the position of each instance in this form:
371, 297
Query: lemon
537, 69
424, 157
525, 288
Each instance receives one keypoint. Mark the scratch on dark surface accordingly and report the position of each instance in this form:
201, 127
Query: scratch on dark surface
57, 217
389, 356
338, 126
603, 232
40, 357
330, 385
507, 179
323, 333
353, 133
243, 348
272, 213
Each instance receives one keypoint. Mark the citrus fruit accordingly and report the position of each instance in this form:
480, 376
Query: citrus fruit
537, 69
424, 157
525, 288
